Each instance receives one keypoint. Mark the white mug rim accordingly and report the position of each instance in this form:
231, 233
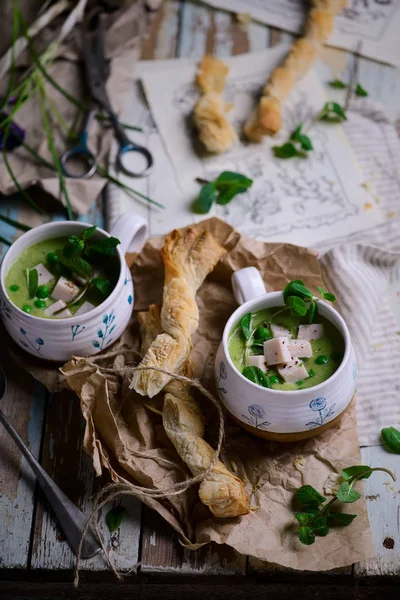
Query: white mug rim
56, 225
246, 307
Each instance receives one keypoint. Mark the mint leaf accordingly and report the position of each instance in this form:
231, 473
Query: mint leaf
229, 179
245, 324
360, 91
207, 197
295, 288
297, 306
106, 246
320, 526
391, 437
87, 233
33, 281
306, 535
338, 84
302, 517
332, 111
287, 150
356, 472
341, 519
321, 290
227, 195
329, 296
313, 312
346, 493
261, 334
308, 496
114, 517
74, 247
76, 264
103, 285
256, 375
296, 133
305, 142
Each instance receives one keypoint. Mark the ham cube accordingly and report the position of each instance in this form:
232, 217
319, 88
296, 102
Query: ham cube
50, 310
44, 275
300, 348
84, 308
64, 290
279, 331
292, 372
258, 361
277, 351
310, 332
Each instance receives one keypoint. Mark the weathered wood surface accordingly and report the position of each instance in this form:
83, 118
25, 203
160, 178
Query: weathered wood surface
53, 427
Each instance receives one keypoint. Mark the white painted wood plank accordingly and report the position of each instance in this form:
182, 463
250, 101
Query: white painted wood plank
384, 513
195, 22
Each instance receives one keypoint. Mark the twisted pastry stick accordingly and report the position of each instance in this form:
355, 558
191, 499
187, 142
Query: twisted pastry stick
215, 131
188, 258
266, 119
183, 421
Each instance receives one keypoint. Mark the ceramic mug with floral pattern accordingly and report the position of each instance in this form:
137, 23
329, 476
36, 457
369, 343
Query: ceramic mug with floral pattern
89, 333
282, 415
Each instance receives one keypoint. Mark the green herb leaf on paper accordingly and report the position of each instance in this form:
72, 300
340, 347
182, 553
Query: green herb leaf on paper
391, 437
358, 471
347, 494
338, 84
360, 91
222, 190
320, 526
287, 150
309, 496
342, 519
207, 196
306, 535
332, 111
114, 518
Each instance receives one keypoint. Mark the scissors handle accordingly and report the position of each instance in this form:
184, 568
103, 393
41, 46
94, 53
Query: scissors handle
126, 146
81, 153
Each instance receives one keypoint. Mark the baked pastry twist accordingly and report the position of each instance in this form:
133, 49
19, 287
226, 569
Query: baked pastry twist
266, 119
215, 131
183, 421
188, 258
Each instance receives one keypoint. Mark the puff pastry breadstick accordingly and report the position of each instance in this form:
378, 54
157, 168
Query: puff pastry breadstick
183, 421
266, 119
215, 131
188, 258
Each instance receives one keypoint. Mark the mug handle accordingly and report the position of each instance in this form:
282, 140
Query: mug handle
247, 284
131, 230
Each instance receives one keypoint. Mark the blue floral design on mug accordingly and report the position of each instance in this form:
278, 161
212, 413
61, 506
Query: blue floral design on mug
76, 330
256, 413
104, 333
223, 374
28, 343
130, 299
319, 405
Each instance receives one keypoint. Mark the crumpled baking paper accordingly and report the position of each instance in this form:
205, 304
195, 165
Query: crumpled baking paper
126, 439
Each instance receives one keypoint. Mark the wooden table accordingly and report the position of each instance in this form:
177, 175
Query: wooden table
35, 561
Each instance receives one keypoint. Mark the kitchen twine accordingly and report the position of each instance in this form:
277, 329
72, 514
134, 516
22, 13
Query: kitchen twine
114, 490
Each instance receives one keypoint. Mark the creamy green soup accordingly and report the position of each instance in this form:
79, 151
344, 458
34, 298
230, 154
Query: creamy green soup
327, 351
90, 291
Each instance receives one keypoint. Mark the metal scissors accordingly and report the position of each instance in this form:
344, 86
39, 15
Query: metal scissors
96, 72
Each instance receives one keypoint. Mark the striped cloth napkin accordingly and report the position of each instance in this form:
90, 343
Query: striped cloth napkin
360, 269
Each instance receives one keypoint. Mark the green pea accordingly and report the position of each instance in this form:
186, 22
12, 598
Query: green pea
27, 308
274, 379
321, 359
262, 333
40, 303
336, 356
42, 291
52, 257
14, 288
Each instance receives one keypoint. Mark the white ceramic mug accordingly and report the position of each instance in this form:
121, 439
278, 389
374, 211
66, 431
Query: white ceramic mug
269, 411
83, 335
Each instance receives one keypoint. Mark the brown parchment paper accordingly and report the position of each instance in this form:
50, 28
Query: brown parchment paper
126, 439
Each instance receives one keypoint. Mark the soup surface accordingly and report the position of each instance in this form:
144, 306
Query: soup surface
327, 351
74, 292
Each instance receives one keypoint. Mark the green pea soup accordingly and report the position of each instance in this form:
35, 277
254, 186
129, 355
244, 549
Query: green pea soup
45, 252
327, 352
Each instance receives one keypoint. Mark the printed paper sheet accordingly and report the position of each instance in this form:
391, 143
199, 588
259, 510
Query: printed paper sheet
374, 23
301, 201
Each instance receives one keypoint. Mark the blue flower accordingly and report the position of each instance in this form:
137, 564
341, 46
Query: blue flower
39, 341
22, 331
130, 299
222, 370
318, 404
256, 411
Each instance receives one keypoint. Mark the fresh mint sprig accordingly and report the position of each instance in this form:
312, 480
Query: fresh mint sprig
332, 112
298, 145
316, 515
222, 190
338, 84
391, 437
114, 518
301, 301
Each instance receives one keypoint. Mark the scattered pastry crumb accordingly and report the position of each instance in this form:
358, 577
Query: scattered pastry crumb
331, 485
255, 487
368, 206
368, 186
234, 466
389, 486
243, 18
377, 346
299, 463
254, 508
391, 214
